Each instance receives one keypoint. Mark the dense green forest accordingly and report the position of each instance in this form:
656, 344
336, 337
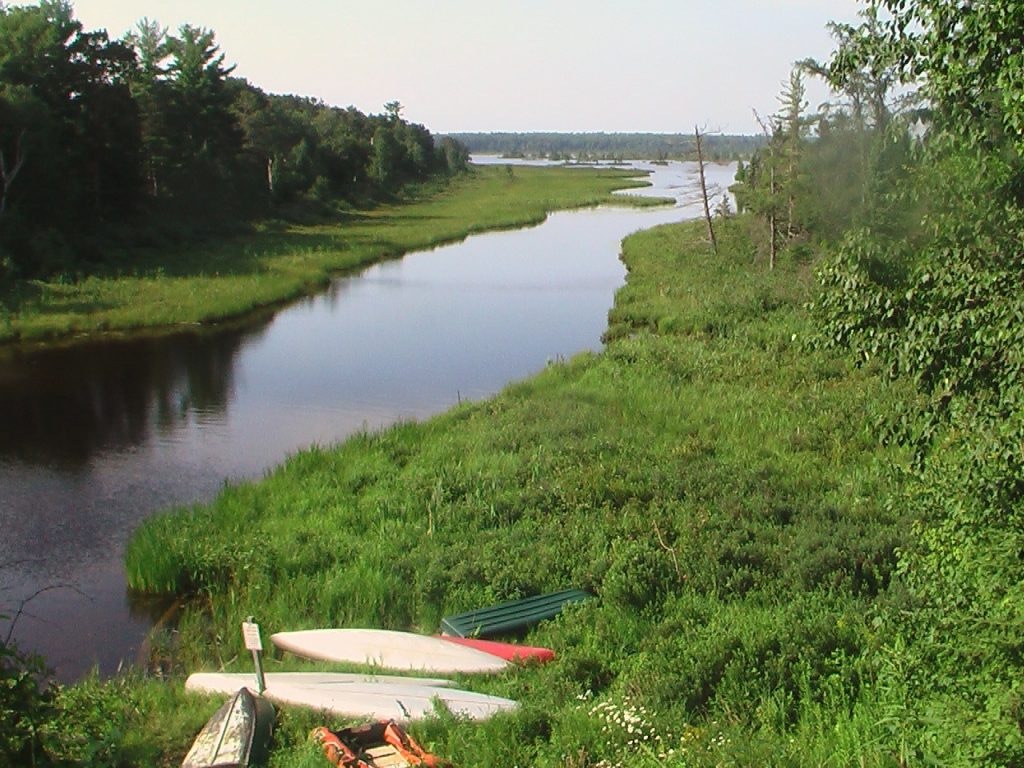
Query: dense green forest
109, 144
793, 479
608, 146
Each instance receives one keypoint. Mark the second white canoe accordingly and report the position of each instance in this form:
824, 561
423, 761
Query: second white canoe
228, 682
400, 701
387, 649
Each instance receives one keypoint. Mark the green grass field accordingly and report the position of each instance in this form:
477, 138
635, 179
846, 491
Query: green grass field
710, 478
174, 286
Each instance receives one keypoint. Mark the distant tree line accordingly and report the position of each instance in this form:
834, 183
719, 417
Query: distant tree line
609, 146
103, 140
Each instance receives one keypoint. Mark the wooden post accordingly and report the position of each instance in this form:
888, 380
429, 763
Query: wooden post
251, 634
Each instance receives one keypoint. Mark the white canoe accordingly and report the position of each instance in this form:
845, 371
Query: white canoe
388, 649
368, 699
229, 682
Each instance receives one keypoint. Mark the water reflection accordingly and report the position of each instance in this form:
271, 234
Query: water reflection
60, 407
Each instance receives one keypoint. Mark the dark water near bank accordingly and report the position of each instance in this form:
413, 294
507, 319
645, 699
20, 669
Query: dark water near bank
95, 437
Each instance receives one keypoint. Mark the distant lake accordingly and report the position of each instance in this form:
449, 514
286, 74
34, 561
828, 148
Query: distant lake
100, 435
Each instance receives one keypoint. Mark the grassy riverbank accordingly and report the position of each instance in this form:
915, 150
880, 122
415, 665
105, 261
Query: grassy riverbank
170, 287
715, 483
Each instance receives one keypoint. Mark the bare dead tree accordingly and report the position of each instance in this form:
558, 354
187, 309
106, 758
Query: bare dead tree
704, 188
773, 246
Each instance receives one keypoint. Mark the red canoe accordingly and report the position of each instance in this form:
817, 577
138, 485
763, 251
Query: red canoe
507, 651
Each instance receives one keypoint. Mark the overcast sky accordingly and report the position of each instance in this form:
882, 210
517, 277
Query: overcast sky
528, 65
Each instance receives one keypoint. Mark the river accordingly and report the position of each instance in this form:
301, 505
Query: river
97, 436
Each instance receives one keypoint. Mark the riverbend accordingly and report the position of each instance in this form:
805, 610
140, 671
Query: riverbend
104, 433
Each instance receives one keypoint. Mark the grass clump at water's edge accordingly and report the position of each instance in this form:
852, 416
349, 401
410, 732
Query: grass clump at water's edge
168, 287
712, 481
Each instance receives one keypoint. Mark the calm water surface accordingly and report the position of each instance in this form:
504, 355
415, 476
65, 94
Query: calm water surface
98, 436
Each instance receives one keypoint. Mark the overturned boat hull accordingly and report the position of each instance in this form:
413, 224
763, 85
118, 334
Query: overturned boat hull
236, 736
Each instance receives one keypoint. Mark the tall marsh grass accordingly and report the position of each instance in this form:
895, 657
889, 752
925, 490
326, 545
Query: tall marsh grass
710, 478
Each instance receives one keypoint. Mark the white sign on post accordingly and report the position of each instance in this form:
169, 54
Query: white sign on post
251, 634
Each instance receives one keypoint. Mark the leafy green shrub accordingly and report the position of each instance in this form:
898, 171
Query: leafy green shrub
746, 653
641, 575
91, 722
942, 309
26, 704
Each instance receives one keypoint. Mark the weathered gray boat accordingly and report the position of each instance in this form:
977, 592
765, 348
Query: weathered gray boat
238, 734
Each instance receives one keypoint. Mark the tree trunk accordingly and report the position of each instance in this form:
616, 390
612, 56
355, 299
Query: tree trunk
791, 200
772, 215
154, 185
7, 175
772, 223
